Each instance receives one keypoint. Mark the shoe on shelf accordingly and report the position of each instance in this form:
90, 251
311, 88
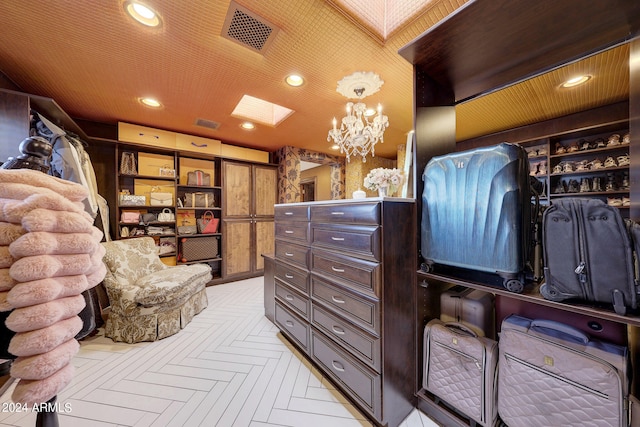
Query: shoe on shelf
582, 165
584, 144
626, 201
560, 148
597, 184
611, 183
613, 140
626, 139
597, 164
625, 181
573, 186
623, 160
610, 162
585, 185
614, 201
542, 151
567, 167
558, 168
599, 143
532, 153
573, 148
560, 188
542, 168
533, 168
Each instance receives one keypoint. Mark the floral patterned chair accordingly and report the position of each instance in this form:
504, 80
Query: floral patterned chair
150, 300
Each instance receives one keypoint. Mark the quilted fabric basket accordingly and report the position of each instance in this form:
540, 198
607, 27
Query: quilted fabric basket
199, 248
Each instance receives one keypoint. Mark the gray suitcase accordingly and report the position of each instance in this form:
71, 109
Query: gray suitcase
460, 369
471, 307
551, 374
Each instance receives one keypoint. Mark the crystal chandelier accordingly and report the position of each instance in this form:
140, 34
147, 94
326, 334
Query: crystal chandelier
359, 130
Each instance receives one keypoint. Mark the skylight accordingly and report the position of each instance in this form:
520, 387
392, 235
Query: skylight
261, 111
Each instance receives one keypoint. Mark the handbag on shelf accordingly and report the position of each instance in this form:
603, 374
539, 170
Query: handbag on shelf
166, 215
187, 229
166, 246
160, 198
199, 200
208, 224
130, 217
199, 248
199, 178
148, 217
132, 200
167, 171
128, 164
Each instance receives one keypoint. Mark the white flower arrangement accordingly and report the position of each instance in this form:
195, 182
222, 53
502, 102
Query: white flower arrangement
383, 178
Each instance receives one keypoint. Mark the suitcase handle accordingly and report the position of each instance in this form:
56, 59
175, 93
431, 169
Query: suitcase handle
460, 327
560, 327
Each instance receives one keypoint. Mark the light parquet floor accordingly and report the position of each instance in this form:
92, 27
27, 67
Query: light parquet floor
228, 367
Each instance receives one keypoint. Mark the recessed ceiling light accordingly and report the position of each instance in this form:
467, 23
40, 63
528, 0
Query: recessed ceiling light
294, 80
335, 147
575, 81
370, 112
247, 125
142, 13
150, 102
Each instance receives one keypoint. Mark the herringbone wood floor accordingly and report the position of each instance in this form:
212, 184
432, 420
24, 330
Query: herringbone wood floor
228, 367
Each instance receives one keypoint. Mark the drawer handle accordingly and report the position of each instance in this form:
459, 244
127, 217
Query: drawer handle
199, 145
337, 213
337, 270
338, 239
288, 213
288, 254
288, 297
152, 136
288, 276
337, 299
338, 366
289, 323
338, 330
288, 231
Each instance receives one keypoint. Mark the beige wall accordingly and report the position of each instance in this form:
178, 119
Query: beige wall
323, 180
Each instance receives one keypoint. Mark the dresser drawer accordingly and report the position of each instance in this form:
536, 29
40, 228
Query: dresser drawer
359, 381
297, 302
358, 274
298, 231
362, 345
292, 326
197, 144
144, 135
293, 276
292, 253
356, 213
291, 213
362, 311
359, 240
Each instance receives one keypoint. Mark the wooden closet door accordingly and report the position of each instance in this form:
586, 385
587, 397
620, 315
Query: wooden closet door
237, 189
266, 190
237, 247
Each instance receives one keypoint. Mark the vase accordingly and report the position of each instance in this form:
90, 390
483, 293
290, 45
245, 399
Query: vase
382, 191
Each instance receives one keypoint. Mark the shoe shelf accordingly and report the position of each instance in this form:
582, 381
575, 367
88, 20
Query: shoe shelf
591, 171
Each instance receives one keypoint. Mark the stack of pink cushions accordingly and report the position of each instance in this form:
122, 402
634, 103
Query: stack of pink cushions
50, 253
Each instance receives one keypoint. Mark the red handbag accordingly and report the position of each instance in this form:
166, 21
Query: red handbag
208, 224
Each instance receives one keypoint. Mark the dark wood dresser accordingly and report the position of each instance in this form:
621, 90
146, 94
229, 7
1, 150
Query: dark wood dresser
344, 295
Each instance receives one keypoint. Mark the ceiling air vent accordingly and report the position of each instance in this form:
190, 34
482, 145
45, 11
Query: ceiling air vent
250, 30
210, 124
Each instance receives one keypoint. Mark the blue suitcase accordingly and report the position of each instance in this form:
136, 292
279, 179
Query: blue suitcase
476, 212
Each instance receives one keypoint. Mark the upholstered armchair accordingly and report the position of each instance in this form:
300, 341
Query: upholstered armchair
150, 300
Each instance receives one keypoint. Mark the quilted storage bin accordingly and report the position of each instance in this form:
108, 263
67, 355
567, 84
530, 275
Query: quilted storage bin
199, 248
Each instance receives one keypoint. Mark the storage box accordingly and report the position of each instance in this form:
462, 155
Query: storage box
199, 248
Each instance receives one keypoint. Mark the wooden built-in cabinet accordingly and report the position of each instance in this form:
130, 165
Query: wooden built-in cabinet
250, 192
344, 296
463, 58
